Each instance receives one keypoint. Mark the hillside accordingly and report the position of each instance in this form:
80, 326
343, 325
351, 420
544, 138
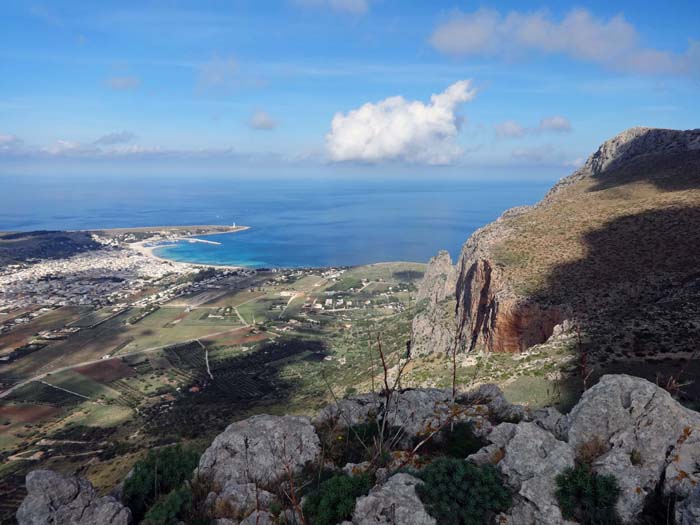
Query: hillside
610, 253
21, 247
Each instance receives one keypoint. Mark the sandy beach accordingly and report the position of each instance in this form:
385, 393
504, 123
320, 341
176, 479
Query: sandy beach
142, 248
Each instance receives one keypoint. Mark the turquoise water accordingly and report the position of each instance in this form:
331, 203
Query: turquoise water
294, 223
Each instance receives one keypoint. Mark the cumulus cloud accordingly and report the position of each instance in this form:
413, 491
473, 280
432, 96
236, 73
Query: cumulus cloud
613, 43
358, 7
262, 120
123, 83
399, 129
119, 137
512, 129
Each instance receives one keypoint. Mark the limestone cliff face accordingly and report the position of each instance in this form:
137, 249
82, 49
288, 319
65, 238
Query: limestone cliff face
433, 328
439, 279
489, 314
493, 310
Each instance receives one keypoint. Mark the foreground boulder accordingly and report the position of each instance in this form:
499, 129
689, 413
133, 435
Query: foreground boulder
53, 498
394, 503
253, 455
623, 426
529, 458
261, 449
418, 412
644, 436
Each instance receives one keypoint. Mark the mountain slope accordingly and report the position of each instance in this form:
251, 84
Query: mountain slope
613, 249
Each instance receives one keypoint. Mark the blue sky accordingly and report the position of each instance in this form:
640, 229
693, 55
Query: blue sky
307, 85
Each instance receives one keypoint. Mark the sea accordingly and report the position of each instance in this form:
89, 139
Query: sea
297, 222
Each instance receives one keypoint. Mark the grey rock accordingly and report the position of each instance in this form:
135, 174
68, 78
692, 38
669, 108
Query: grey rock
238, 499
394, 503
54, 498
688, 510
418, 412
498, 406
498, 438
259, 517
628, 145
549, 418
646, 433
439, 280
353, 469
351, 410
532, 460
260, 449
433, 327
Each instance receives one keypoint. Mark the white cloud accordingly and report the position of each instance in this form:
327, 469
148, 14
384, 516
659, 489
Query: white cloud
119, 137
9, 142
547, 155
67, 147
512, 129
262, 120
555, 123
613, 43
123, 83
358, 7
399, 129
219, 73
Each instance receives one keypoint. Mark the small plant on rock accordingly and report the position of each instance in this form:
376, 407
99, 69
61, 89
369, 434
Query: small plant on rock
588, 497
457, 492
455, 441
334, 500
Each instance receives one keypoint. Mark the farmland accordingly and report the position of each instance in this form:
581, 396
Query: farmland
126, 379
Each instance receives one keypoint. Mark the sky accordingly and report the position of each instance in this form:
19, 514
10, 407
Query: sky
337, 87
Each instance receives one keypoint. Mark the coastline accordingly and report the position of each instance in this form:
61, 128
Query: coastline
148, 251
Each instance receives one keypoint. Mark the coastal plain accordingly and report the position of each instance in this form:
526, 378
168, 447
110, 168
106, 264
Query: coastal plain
93, 383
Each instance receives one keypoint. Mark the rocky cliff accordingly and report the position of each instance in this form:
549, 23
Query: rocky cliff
433, 324
624, 427
611, 249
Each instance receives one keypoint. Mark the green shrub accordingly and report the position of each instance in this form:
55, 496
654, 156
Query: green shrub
169, 509
334, 500
160, 472
456, 442
587, 497
457, 492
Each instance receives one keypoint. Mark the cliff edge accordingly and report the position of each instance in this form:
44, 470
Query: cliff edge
610, 250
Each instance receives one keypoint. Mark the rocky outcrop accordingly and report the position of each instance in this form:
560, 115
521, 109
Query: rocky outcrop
433, 326
260, 449
628, 146
420, 411
641, 436
647, 439
394, 503
253, 455
53, 498
439, 279
623, 426
532, 459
